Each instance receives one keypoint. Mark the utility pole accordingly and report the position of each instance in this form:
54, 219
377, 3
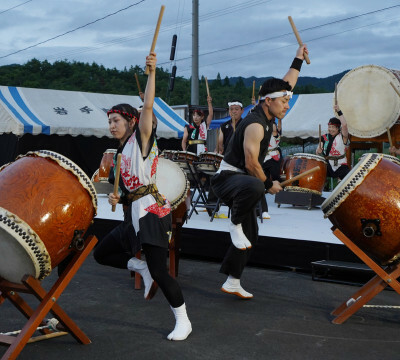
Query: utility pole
195, 53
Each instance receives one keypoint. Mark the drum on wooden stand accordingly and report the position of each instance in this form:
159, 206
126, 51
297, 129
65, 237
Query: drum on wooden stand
171, 182
368, 100
209, 162
101, 174
185, 159
168, 154
46, 205
313, 183
365, 206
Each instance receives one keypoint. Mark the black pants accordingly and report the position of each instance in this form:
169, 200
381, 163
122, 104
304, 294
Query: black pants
121, 244
241, 193
340, 173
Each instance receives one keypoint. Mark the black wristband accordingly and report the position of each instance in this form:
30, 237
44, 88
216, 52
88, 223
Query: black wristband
268, 184
296, 64
340, 113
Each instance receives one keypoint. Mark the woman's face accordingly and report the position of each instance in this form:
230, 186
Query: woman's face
119, 127
197, 118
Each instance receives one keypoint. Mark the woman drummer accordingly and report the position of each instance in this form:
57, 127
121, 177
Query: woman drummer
147, 222
195, 135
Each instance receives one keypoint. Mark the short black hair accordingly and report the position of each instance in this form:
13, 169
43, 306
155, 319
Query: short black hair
126, 108
334, 121
271, 85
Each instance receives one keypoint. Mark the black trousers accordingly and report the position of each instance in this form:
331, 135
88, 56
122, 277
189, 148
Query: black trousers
241, 193
340, 172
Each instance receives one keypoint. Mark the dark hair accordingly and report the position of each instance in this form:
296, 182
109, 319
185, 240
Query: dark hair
271, 85
198, 111
127, 109
334, 121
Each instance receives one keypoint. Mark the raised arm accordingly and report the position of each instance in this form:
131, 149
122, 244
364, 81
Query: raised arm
146, 117
210, 111
184, 138
343, 123
293, 74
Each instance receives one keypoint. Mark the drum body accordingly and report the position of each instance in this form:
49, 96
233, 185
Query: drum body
314, 182
209, 162
168, 154
365, 206
105, 164
185, 159
46, 202
171, 182
368, 100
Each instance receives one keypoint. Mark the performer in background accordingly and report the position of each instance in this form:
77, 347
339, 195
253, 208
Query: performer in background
147, 220
272, 162
394, 151
195, 135
235, 108
334, 145
240, 181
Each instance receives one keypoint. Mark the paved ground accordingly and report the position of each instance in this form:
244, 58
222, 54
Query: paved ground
289, 318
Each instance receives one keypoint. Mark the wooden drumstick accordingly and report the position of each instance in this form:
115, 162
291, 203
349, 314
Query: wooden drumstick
137, 83
208, 90
335, 93
259, 96
153, 45
254, 85
319, 134
116, 182
303, 174
395, 89
296, 33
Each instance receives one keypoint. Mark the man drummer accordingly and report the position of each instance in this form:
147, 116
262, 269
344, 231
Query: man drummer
235, 108
195, 134
240, 181
334, 144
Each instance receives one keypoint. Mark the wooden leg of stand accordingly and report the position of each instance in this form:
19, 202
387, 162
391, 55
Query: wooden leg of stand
384, 277
48, 304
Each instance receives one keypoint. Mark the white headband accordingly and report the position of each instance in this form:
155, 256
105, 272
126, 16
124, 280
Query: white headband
277, 94
235, 103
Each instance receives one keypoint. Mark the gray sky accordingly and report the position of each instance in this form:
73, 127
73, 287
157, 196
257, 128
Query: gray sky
237, 38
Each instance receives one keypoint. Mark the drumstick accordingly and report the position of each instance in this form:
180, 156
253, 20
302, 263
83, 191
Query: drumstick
296, 33
395, 89
389, 137
254, 84
137, 83
305, 173
116, 182
153, 45
208, 90
319, 134
259, 96
335, 93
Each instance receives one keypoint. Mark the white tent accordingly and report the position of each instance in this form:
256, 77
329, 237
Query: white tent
42, 111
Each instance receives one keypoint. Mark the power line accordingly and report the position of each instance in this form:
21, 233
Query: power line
70, 31
2, 12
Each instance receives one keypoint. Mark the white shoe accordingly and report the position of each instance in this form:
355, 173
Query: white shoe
183, 326
232, 286
265, 215
238, 237
140, 266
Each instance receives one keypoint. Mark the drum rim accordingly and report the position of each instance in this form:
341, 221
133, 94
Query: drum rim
29, 240
350, 182
310, 156
186, 152
69, 165
374, 132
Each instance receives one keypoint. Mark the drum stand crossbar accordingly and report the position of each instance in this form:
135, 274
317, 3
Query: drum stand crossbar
384, 277
48, 303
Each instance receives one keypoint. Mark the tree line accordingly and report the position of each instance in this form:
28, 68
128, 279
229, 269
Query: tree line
79, 76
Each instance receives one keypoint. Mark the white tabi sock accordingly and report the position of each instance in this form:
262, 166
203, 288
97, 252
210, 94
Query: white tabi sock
232, 286
140, 266
238, 237
183, 326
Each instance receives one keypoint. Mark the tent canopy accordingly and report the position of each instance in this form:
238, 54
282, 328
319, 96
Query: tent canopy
305, 114
49, 112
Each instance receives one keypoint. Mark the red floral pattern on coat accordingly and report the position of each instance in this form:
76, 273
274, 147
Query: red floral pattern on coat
161, 211
154, 166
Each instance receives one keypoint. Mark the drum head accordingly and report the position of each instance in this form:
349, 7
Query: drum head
368, 101
171, 181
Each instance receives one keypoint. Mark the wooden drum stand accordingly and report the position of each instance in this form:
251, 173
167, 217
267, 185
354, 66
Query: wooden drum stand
384, 277
48, 303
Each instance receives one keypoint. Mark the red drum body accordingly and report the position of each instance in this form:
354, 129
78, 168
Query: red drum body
365, 206
314, 182
185, 159
46, 204
209, 162
105, 164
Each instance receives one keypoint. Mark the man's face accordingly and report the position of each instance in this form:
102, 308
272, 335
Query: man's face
333, 130
279, 106
235, 112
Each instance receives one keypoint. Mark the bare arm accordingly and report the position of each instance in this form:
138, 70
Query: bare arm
343, 122
184, 138
220, 142
292, 75
210, 111
146, 117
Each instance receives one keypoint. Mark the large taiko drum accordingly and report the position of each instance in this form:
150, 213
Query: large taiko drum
105, 164
171, 181
365, 206
313, 183
368, 100
46, 204
209, 162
